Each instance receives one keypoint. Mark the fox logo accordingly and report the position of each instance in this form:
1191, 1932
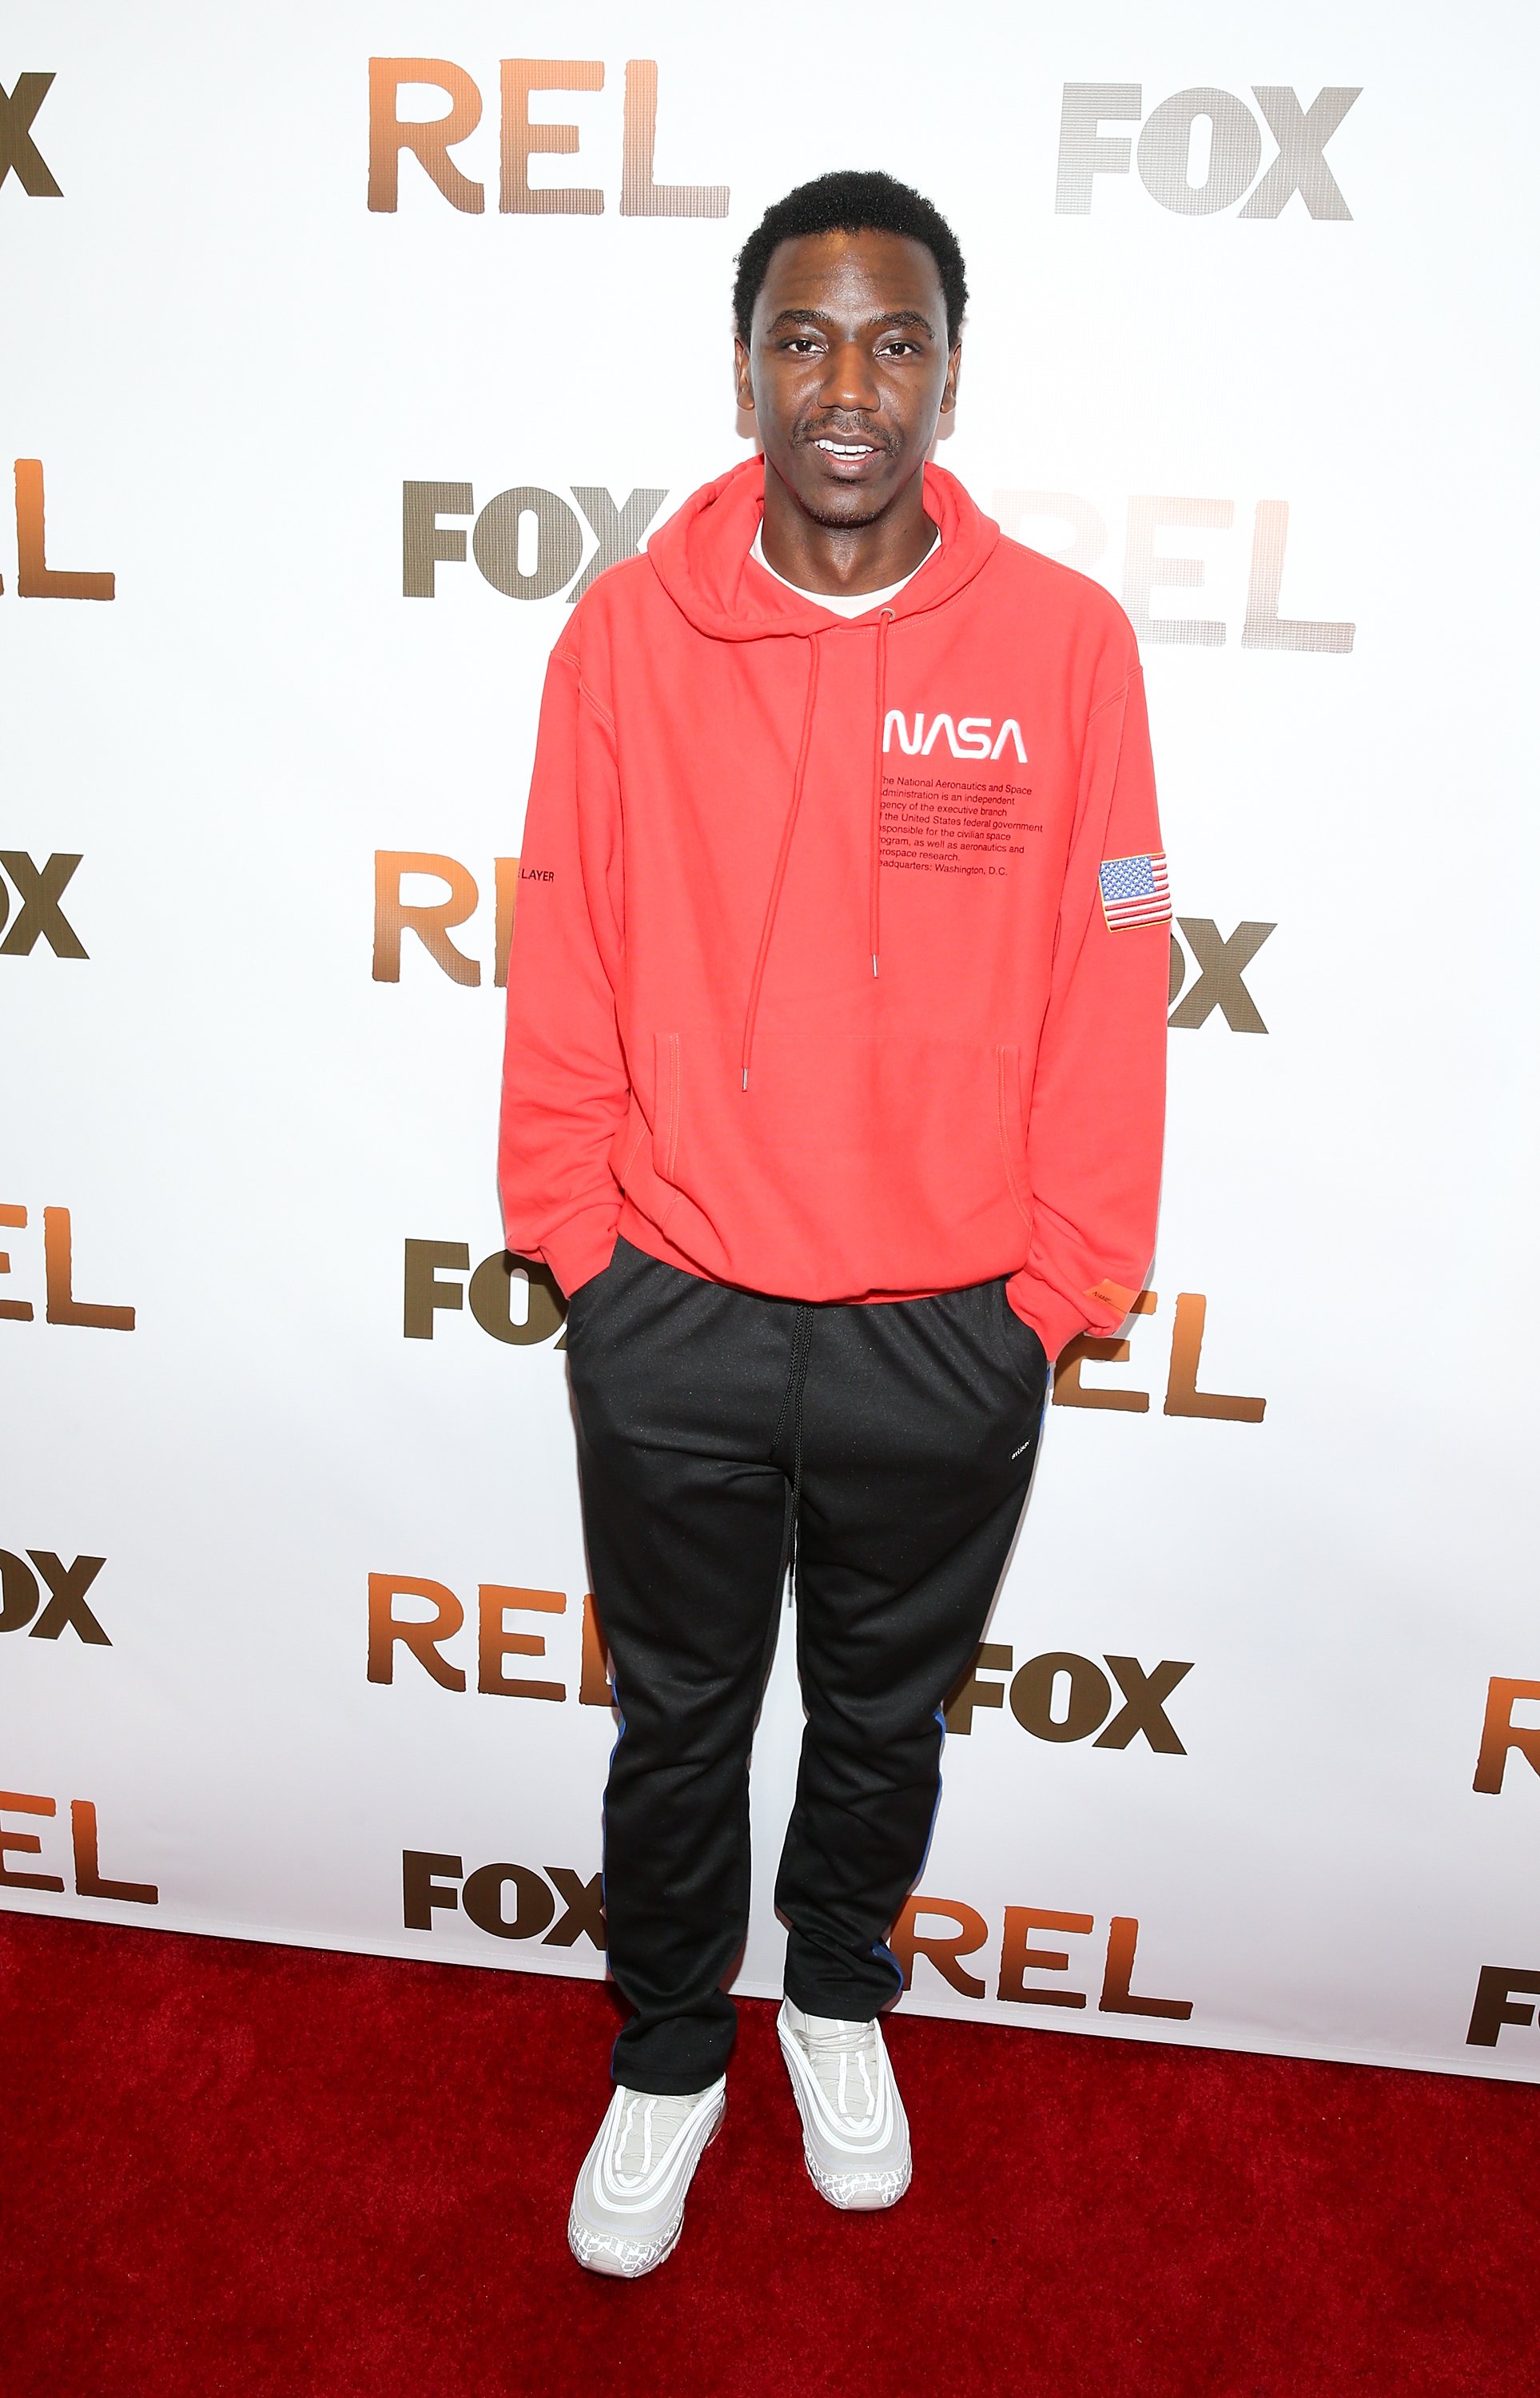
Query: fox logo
971, 737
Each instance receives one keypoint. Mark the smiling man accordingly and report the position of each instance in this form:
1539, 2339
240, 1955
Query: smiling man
832, 1100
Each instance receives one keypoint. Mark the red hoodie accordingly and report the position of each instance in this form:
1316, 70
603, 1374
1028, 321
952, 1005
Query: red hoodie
840, 965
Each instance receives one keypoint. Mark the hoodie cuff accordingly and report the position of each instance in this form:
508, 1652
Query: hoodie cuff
582, 1247
1055, 1319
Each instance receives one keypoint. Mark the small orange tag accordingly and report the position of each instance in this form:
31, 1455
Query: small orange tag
1112, 1294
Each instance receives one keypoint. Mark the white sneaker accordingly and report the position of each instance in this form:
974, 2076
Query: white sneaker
855, 2134
628, 2208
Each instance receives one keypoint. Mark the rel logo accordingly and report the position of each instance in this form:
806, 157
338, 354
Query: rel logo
20, 155
1196, 174
35, 579
428, 1880
1148, 568
67, 1585
423, 1637
491, 1293
527, 543
430, 920
61, 1305
1086, 1697
1182, 1395
1017, 1957
523, 137
89, 1879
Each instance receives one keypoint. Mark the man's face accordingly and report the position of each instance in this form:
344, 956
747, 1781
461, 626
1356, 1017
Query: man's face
847, 370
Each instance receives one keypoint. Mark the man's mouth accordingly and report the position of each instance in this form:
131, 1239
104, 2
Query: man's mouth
847, 456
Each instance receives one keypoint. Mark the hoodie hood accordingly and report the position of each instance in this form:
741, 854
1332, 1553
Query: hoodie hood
701, 558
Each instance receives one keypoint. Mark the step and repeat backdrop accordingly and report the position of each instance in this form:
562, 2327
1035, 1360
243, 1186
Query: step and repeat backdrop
342, 349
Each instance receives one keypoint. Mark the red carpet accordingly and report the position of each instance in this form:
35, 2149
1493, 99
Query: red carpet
232, 2169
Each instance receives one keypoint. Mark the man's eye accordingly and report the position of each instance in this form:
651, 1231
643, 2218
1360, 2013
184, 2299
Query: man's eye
802, 341
904, 349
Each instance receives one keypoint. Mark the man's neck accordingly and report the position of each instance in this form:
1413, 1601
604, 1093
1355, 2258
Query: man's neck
845, 559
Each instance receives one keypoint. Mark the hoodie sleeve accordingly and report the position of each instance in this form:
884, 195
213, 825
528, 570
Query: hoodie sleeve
1096, 1119
565, 1088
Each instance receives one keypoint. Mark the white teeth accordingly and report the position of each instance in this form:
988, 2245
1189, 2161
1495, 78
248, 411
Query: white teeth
846, 449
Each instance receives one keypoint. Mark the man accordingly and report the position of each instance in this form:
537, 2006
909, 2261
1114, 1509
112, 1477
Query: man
833, 1100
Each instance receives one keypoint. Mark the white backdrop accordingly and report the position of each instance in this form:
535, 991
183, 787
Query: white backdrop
232, 371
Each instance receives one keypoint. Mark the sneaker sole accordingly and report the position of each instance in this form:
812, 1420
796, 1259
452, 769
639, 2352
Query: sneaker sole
855, 2192
627, 2261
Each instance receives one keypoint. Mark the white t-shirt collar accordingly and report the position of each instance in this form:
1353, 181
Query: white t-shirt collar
845, 603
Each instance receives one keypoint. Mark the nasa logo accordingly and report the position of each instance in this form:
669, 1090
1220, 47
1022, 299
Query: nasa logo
969, 737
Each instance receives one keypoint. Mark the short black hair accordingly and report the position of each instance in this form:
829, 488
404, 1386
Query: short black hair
852, 200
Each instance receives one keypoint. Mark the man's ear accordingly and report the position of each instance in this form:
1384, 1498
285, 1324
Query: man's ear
742, 379
949, 389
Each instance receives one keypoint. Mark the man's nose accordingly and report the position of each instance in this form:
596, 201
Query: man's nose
849, 381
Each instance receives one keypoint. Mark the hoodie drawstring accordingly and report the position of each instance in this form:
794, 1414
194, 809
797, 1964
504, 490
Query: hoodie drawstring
874, 910
874, 901
780, 876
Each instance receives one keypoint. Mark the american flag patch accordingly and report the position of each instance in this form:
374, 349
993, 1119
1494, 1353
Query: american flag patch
1134, 891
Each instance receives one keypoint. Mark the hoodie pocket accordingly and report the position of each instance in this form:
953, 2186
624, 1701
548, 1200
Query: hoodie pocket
666, 1104
850, 1164
1012, 1130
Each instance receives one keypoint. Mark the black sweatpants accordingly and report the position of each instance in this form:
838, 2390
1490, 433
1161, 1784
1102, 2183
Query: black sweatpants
903, 1433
